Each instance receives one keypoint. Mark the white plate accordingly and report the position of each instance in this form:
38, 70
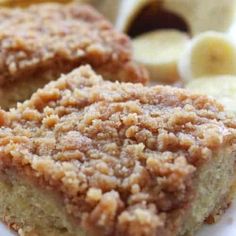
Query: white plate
4, 231
225, 227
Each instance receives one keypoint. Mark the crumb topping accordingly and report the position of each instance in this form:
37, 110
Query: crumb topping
121, 154
55, 38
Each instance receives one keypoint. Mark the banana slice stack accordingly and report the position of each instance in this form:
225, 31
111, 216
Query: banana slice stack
208, 65
161, 50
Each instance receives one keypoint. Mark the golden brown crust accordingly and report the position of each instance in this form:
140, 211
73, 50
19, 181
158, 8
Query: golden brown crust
122, 155
57, 38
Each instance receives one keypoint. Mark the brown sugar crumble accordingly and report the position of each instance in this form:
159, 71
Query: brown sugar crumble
50, 39
122, 155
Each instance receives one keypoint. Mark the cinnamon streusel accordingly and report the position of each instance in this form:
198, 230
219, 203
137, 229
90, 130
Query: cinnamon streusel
86, 156
39, 43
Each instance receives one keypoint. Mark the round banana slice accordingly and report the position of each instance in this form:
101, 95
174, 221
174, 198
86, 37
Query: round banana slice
222, 88
202, 15
159, 51
208, 54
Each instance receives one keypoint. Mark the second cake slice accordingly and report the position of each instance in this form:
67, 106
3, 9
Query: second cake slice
39, 43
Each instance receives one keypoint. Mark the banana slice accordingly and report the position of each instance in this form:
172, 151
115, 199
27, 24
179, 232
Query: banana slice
208, 54
159, 51
222, 88
129, 10
204, 15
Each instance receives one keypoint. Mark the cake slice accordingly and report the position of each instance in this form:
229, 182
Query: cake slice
86, 156
39, 43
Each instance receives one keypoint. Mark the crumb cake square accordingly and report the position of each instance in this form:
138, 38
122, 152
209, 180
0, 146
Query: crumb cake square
39, 43
86, 156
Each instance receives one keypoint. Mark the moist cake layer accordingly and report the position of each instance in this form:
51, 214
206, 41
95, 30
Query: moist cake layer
123, 158
50, 39
39, 212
